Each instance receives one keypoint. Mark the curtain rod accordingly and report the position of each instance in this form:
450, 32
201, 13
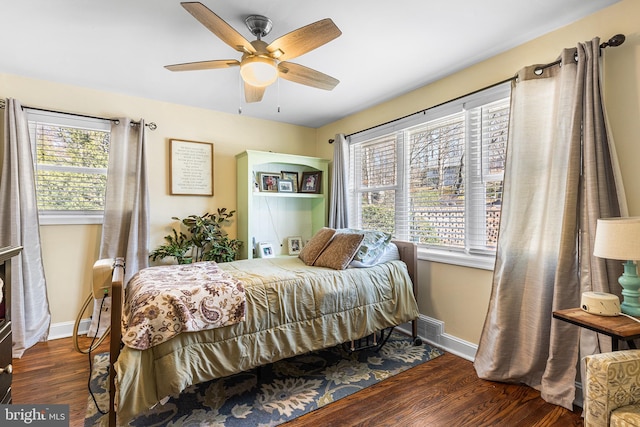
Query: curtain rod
614, 41
150, 125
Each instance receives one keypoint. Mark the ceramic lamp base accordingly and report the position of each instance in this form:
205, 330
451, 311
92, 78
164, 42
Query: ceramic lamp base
630, 283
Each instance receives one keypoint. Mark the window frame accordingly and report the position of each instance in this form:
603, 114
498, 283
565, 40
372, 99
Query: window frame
470, 255
66, 217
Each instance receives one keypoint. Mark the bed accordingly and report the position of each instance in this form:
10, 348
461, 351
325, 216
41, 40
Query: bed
291, 308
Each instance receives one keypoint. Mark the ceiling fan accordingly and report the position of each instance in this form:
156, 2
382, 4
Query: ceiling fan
261, 63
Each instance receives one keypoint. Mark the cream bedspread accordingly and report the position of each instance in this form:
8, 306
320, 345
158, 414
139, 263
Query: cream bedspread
291, 309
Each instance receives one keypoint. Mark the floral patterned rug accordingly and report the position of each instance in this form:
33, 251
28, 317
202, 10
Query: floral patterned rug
273, 394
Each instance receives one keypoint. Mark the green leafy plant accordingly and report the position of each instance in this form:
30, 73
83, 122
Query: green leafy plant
177, 246
205, 240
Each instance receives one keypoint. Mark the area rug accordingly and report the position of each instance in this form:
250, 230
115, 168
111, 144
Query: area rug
272, 394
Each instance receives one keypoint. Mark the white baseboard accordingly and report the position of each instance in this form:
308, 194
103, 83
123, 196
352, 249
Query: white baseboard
65, 329
432, 331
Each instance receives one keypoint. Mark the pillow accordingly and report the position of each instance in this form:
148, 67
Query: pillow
390, 253
340, 251
374, 244
314, 247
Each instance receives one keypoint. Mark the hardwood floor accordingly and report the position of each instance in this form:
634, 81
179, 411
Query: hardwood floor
53, 372
442, 392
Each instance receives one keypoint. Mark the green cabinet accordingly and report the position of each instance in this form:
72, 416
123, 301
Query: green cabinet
273, 216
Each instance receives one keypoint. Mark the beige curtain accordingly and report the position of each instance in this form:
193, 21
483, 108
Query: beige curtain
558, 181
19, 226
125, 230
338, 203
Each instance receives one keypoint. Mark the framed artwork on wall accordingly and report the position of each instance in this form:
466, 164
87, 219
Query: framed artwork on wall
311, 182
190, 168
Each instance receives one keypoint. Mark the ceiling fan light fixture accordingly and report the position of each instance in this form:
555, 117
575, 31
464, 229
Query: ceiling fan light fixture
262, 63
258, 71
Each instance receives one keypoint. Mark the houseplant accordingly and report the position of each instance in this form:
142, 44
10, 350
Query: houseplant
177, 246
205, 240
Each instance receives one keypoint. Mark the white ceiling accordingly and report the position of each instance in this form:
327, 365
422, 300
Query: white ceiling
386, 48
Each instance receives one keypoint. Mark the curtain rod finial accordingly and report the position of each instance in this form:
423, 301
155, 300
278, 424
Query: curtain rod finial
616, 40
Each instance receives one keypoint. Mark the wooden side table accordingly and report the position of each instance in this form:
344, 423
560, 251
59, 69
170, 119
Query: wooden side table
619, 328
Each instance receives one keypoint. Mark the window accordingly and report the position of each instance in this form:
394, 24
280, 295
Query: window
435, 178
71, 155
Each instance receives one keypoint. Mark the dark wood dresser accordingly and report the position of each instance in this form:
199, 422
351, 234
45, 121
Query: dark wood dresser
6, 369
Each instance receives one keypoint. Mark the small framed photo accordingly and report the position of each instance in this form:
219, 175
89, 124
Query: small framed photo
293, 176
294, 244
285, 186
269, 181
265, 250
311, 182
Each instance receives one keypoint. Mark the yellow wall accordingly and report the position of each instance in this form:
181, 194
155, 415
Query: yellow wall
459, 296
69, 251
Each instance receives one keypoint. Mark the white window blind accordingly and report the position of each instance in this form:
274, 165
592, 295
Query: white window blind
489, 128
435, 178
376, 166
436, 186
71, 155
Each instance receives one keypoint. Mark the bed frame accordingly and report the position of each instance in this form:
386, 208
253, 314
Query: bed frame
408, 254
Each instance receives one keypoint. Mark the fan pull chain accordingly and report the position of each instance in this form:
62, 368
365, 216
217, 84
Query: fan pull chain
278, 95
239, 94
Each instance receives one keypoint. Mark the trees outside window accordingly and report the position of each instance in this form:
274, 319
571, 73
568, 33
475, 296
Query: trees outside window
438, 180
71, 155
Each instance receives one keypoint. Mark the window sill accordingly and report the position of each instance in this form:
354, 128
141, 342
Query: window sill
70, 219
484, 262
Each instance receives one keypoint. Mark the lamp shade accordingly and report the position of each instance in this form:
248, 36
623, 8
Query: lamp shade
258, 71
618, 238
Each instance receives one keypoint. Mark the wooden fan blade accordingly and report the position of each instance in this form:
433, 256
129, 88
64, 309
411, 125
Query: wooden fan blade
253, 93
304, 39
218, 26
307, 76
203, 65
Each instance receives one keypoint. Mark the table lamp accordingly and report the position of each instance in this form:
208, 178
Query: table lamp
619, 238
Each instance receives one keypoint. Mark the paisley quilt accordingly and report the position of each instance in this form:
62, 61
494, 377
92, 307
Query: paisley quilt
163, 301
